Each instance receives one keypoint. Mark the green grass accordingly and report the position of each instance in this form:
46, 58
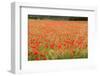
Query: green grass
78, 53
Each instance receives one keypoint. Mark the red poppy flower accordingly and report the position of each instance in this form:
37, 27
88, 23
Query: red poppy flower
37, 58
37, 43
34, 47
45, 58
52, 46
59, 46
35, 52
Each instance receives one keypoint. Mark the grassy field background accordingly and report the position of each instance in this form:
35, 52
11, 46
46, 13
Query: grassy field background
55, 39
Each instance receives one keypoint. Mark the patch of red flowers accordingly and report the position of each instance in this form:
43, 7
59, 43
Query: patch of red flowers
55, 36
59, 45
45, 58
52, 46
37, 58
36, 52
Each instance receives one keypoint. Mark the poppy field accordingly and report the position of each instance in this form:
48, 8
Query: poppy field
51, 37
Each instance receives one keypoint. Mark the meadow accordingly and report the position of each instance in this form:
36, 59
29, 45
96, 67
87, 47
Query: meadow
57, 39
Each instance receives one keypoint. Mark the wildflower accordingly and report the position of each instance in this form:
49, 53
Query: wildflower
45, 58
59, 46
37, 58
33, 47
35, 52
52, 46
